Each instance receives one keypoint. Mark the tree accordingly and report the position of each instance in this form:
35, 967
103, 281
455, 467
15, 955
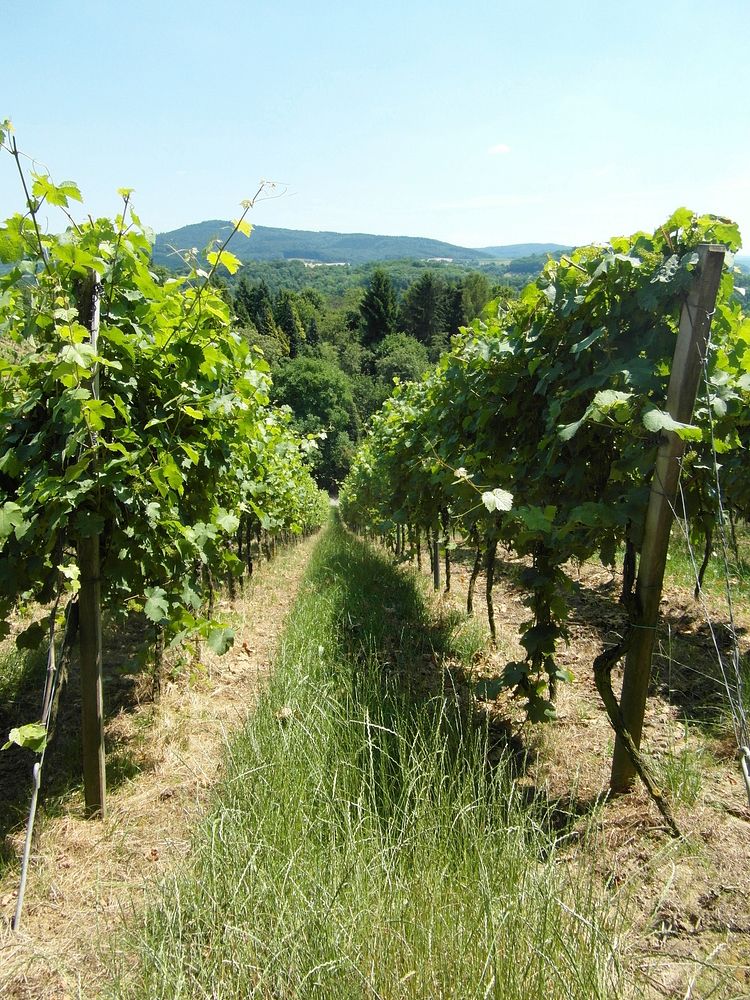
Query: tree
422, 308
248, 300
288, 321
454, 308
312, 333
400, 356
320, 396
378, 309
309, 305
477, 293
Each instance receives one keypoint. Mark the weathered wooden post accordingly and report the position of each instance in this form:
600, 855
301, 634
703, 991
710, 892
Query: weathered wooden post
690, 351
446, 548
435, 557
90, 616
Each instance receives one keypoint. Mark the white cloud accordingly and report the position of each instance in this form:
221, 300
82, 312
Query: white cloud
499, 149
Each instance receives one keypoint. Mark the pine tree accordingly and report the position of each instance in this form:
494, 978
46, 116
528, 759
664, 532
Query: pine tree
312, 333
378, 309
422, 309
454, 309
288, 322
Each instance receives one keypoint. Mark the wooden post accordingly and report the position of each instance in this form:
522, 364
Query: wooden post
92, 700
695, 323
435, 559
90, 623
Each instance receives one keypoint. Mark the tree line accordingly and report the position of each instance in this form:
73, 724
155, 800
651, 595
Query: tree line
334, 359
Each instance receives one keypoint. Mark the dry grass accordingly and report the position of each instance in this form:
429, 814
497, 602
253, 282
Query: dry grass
85, 876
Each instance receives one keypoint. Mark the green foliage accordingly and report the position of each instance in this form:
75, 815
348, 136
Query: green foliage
320, 396
557, 399
454, 311
161, 439
422, 309
399, 356
289, 324
378, 309
32, 736
477, 292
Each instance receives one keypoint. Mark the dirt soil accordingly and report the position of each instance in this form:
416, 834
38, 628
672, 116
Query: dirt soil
86, 876
687, 900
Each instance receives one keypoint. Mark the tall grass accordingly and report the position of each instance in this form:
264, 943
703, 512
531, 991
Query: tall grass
360, 846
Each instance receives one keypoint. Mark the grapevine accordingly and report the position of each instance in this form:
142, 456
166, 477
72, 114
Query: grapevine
175, 455
558, 400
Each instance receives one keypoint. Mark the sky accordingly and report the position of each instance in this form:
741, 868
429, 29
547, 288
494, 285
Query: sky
481, 124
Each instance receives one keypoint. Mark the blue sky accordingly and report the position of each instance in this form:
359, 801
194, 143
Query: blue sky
480, 124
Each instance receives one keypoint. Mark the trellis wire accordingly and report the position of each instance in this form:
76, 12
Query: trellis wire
733, 690
50, 684
733, 685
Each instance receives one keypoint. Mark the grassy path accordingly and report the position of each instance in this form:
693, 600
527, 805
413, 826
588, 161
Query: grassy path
85, 876
359, 844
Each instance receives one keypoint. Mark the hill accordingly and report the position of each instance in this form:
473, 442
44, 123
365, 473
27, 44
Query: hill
269, 243
515, 250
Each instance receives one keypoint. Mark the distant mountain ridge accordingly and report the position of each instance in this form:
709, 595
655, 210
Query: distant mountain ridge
515, 250
269, 243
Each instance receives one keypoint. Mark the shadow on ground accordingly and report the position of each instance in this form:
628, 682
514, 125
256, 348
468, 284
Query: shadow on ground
412, 681
686, 669
126, 683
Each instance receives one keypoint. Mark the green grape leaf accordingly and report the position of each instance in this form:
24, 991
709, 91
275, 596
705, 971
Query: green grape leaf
497, 499
11, 519
227, 522
220, 639
225, 259
72, 576
55, 194
32, 636
12, 245
243, 226
588, 341
656, 420
540, 710
32, 736
156, 608
536, 518
190, 597
88, 523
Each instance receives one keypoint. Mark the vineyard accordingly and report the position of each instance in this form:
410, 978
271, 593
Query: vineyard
379, 827
141, 462
541, 431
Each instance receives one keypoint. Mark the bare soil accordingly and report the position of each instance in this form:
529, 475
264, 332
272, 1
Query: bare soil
87, 876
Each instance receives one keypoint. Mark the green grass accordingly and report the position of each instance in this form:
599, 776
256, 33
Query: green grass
682, 569
360, 845
680, 771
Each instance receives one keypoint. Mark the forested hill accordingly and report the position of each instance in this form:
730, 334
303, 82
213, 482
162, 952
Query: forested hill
268, 243
515, 250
